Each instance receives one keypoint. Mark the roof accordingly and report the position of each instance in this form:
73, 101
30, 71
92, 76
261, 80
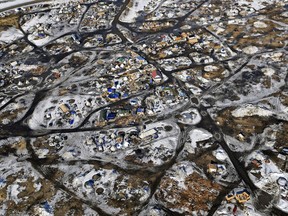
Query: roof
242, 191
242, 196
154, 74
285, 151
212, 167
64, 108
229, 197
147, 133
114, 95
110, 116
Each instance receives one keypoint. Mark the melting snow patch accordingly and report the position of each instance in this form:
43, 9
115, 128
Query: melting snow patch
190, 116
197, 135
260, 24
250, 50
251, 110
10, 35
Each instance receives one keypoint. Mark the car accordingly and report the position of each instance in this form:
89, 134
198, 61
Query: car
284, 151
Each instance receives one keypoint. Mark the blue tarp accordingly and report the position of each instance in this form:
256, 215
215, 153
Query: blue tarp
114, 95
110, 116
47, 207
140, 109
89, 183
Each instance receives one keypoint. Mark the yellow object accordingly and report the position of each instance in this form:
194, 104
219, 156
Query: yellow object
229, 197
193, 41
64, 108
243, 197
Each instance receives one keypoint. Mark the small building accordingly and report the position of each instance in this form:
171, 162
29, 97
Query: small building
284, 151
192, 41
140, 59
134, 101
114, 96
256, 163
156, 76
230, 197
110, 116
111, 90
147, 133
212, 168
64, 108
215, 168
140, 111
242, 196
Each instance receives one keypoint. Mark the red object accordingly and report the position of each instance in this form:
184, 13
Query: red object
154, 73
234, 210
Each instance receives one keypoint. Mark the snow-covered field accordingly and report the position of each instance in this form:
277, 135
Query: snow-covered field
5, 4
10, 3
132, 12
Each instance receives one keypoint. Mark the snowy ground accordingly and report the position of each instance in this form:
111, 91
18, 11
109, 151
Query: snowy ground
4, 4
132, 12
92, 124
13, 3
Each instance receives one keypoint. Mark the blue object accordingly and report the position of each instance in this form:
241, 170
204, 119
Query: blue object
118, 145
47, 207
140, 58
134, 101
285, 151
89, 183
242, 191
201, 40
41, 35
72, 112
110, 90
182, 94
125, 95
110, 116
2, 182
76, 37
114, 95
146, 188
140, 110
116, 83
71, 121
